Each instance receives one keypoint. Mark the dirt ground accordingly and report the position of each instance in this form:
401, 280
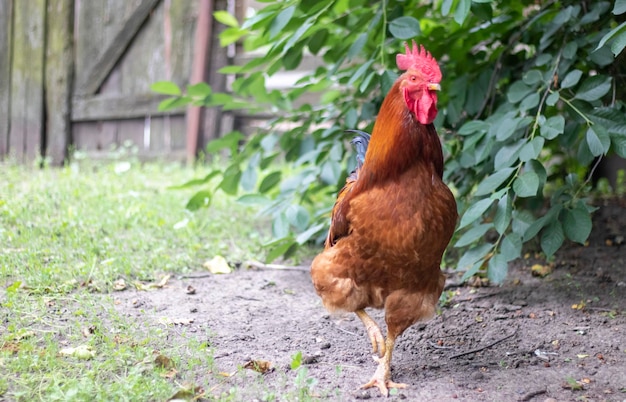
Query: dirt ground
558, 338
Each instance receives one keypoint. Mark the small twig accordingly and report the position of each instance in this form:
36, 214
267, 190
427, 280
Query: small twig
486, 346
195, 276
530, 395
483, 296
434, 345
343, 330
260, 265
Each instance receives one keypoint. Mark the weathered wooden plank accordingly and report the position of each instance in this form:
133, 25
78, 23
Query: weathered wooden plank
201, 49
132, 131
94, 136
27, 73
111, 107
59, 72
167, 134
104, 63
6, 15
214, 125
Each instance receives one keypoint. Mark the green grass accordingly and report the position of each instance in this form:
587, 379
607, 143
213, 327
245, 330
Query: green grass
66, 235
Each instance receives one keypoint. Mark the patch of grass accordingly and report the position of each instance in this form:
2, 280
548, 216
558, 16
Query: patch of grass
66, 236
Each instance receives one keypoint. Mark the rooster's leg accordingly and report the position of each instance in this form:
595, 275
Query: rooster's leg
382, 376
373, 332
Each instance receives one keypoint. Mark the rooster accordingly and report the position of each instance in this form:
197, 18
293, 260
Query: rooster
393, 218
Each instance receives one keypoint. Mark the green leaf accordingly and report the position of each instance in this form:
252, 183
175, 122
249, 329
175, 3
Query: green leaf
511, 246
553, 98
280, 225
231, 35
494, 181
532, 149
473, 234
226, 18
473, 255
503, 215
230, 141
497, 268
594, 88
552, 238
613, 32
281, 21
279, 248
357, 45
526, 185
619, 144
330, 172
199, 90
269, 182
199, 200
571, 79
297, 216
473, 126
577, 224
530, 101
620, 7
475, 211
359, 72
532, 77
173, 103
508, 155
404, 28
231, 179
462, 10
598, 140
553, 127
197, 182
518, 91
310, 232
318, 40
296, 361
253, 199
249, 178
619, 43
166, 88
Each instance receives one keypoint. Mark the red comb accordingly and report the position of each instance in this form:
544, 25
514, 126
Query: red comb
415, 57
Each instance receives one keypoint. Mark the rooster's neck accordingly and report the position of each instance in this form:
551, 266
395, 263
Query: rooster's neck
400, 142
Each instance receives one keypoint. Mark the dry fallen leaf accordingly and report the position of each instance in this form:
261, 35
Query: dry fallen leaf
83, 352
541, 270
163, 362
119, 285
260, 366
217, 265
188, 392
88, 331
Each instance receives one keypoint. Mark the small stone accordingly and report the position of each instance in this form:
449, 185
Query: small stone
477, 376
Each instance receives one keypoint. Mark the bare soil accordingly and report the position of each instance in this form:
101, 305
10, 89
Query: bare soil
561, 337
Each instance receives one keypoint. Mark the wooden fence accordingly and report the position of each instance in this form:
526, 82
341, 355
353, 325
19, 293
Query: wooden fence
76, 74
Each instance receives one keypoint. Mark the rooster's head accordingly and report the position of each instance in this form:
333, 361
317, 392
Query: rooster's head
420, 82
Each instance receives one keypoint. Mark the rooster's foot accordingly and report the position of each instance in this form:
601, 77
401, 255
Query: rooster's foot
383, 385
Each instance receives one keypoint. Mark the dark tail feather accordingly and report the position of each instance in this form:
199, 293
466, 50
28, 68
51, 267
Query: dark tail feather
360, 142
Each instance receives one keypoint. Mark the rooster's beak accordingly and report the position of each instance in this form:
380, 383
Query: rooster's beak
434, 87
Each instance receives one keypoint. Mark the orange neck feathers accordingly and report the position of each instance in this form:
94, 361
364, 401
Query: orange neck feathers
399, 142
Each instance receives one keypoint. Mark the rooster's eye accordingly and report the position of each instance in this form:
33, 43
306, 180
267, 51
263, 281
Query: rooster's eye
413, 78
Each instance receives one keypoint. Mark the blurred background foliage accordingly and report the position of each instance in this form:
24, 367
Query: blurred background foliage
532, 101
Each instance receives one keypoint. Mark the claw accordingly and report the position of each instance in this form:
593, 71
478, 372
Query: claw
383, 385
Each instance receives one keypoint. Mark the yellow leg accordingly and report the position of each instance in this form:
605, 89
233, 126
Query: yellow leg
382, 377
373, 332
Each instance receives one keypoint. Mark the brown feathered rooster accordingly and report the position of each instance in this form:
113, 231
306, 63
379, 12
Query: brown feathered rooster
394, 217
